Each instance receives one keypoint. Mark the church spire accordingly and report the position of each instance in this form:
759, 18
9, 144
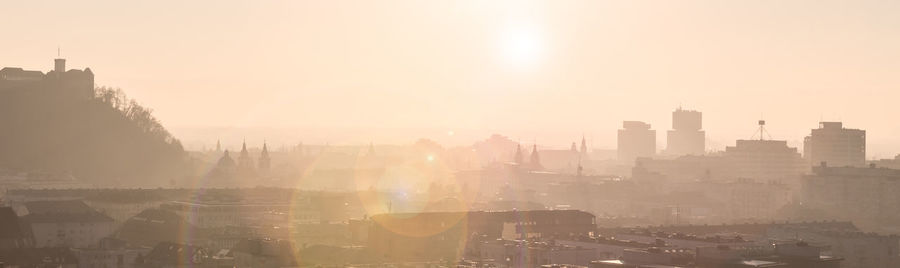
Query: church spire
535, 158
264, 160
518, 157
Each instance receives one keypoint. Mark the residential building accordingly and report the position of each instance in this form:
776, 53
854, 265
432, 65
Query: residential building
835, 145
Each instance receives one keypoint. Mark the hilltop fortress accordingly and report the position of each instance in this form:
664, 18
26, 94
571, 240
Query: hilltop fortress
74, 84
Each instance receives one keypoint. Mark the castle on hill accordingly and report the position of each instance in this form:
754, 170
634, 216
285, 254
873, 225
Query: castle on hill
74, 83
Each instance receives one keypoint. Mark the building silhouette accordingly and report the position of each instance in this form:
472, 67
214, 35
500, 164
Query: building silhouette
535, 162
73, 84
245, 166
765, 160
636, 139
687, 136
265, 163
518, 158
835, 145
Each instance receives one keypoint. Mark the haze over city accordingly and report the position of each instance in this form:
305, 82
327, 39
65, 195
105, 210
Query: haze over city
545, 70
439, 134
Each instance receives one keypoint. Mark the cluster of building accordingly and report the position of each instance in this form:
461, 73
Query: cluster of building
229, 171
277, 227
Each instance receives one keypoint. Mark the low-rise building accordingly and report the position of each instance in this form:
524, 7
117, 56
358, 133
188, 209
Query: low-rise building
110, 252
66, 223
264, 253
507, 253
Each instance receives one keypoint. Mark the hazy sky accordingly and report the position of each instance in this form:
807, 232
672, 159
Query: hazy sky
530, 69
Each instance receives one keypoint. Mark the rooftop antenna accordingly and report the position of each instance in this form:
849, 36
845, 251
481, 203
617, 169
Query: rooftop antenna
762, 130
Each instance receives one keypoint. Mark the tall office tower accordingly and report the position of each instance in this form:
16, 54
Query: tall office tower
687, 136
636, 139
835, 145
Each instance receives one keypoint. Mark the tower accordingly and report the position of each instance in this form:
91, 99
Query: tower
59, 66
535, 158
264, 160
635, 140
687, 136
218, 146
245, 163
518, 157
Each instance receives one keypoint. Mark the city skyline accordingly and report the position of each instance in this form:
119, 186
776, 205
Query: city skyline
465, 133
511, 69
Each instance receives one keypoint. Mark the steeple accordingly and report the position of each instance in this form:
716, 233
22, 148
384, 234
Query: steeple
218, 146
518, 157
264, 160
245, 163
535, 158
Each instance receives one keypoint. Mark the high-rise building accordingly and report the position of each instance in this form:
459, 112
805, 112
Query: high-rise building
835, 145
636, 139
687, 136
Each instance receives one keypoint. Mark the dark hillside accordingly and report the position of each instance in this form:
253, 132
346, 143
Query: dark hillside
104, 139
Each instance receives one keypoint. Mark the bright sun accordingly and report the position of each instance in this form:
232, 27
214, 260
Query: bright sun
521, 46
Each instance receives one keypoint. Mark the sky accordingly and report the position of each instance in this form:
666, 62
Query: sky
545, 71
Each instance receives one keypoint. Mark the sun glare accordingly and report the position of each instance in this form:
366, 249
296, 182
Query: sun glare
521, 46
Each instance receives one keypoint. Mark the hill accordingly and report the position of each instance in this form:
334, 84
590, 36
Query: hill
107, 139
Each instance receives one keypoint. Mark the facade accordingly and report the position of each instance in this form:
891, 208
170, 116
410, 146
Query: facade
835, 145
69, 223
110, 253
222, 214
635, 140
443, 235
868, 196
38, 257
686, 168
608, 247
765, 160
69, 229
506, 253
687, 136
